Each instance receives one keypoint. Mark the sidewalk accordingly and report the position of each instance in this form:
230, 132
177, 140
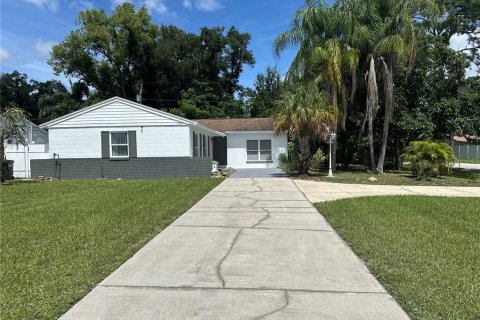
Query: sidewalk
319, 191
251, 249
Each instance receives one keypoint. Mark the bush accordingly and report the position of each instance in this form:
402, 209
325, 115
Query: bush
429, 158
317, 160
291, 163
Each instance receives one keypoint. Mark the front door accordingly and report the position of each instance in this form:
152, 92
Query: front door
220, 150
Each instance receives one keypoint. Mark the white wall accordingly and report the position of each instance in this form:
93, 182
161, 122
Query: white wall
165, 141
118, 113
21, 157
237, 148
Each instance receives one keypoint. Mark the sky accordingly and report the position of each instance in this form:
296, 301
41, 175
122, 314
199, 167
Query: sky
29, 28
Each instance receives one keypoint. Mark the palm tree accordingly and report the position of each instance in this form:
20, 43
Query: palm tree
12, 127
319, 33
385, 30
304, 113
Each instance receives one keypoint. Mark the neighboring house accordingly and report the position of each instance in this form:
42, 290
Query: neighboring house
36, 148
118, 138
466, 148
249, 142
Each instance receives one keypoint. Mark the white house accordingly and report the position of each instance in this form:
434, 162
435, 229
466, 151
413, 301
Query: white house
118, 138
248, 142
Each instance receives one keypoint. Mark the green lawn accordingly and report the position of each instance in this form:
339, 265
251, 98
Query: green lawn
425, 250
458, 178
469, 161
59, 239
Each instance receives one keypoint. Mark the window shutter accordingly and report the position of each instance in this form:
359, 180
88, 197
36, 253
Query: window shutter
105, 144
132, 144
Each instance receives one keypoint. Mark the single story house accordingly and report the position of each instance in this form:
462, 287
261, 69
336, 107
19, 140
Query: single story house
248, 142
118, 138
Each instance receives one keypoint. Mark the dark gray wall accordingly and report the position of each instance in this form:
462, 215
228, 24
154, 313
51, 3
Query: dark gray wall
134, 168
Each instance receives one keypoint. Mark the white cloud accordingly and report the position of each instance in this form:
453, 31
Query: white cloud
459, 41
43, 48
81, 5
4, 55
472, 71
203, 5
119, 2
157, 6
53, 5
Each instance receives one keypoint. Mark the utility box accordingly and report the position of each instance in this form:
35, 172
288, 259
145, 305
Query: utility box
7, 170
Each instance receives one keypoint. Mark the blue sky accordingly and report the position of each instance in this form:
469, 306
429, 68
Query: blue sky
29, 28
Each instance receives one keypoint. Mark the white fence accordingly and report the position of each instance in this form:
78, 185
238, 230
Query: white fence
467, 151
22, 155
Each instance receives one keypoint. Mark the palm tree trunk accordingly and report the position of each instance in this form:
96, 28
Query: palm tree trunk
335, 127
388, 92
370, 140
304, 146
372, 107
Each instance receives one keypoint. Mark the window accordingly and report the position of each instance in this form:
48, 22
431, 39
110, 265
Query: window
259, 150
208, 139
204, 145
195, 145
118, 144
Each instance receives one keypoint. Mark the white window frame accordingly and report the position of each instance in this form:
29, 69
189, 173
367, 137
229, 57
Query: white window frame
119, 144
259, 150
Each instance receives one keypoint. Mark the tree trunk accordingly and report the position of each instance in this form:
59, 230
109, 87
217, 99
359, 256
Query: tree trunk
372, 107
388, 91
2, 157
370, 140
304, 146
335, 127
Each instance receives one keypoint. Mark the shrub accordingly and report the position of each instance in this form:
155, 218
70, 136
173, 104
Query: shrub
429, 158
292, 162
317, 160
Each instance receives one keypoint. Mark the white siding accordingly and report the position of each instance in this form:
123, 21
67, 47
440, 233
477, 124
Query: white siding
117, 113
237, 148
167, 141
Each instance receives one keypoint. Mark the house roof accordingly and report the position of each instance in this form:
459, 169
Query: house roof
139, 106
241, 124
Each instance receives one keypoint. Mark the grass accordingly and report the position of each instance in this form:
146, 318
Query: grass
425, 250
457, 178
469, 161
59, 239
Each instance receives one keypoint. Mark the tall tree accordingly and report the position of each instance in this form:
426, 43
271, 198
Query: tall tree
267, 89
107, 51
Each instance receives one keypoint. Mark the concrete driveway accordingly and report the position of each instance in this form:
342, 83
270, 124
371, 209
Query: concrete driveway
258, 173
319, 191
253, 248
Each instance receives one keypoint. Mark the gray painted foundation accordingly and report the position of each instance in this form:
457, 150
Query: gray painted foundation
134, 168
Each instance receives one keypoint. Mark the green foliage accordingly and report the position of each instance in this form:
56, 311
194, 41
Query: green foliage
317, 160
267, 89
429, 158
120, 53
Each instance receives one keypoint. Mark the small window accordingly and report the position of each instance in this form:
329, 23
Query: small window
118, 144
204, 144
259, 150
208, 141
195, 145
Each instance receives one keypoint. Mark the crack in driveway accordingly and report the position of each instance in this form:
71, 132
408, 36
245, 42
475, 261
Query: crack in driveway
285, 304
219, 266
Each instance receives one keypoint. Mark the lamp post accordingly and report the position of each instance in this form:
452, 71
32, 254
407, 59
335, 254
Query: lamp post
330, 172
